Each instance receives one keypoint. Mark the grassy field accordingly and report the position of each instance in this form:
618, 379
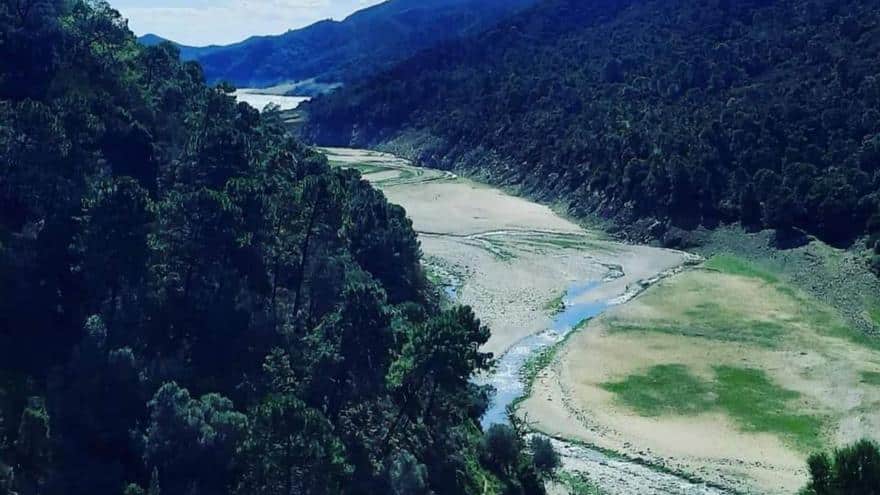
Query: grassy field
664, 389
873, 310
759, 405
746, 305
729, 360
747, 395
811, 312
732, 265
577, 484
871, 377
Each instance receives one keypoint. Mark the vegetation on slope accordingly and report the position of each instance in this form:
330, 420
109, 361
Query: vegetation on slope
659, 115
193, 302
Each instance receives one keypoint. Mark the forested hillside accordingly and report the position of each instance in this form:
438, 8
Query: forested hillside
194, 303
658, 115
359, 46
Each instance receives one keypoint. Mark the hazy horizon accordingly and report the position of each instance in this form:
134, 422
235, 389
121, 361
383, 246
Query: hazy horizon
202, 22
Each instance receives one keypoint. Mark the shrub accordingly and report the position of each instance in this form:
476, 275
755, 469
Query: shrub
851, 470
544, 456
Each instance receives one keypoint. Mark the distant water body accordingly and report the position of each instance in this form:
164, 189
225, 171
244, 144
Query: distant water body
258, 100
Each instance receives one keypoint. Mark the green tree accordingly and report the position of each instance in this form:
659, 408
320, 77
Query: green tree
6, 471
407, 476
155, 231
92, 445
437, 361
113, 242
849, 470
502, 447
191, 442
544, 456
33, 451
291, 448
29, 54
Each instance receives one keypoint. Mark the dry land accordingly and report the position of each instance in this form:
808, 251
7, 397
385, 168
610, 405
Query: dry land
725, 371
508, 258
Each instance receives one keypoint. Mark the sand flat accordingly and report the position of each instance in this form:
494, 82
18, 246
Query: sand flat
824, 369
511, 256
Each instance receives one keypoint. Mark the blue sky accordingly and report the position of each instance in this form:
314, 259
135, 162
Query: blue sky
203, 22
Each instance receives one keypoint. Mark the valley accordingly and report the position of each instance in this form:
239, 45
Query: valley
529, 274
440, 247
718, 368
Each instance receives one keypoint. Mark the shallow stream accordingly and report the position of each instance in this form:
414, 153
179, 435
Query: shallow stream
508, 380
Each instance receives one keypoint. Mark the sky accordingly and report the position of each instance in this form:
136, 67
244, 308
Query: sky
205, 22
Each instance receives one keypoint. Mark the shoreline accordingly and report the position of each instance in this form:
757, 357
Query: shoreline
512, 257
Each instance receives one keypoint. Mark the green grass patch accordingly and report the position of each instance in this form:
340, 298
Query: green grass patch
536, 363
497, 248
759, 405
709, 320
664, 389
576, 242
828, 322
363, 168
540, 360
746, 395
873, 310
555, 305
871, 377
578, 484
737, 266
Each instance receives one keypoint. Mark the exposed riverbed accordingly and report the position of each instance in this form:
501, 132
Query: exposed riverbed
529, 274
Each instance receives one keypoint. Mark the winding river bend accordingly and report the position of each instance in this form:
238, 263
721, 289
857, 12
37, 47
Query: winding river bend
529, 274
533, 277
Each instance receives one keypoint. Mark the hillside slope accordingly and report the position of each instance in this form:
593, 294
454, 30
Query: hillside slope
194, 302
657, 115
362, 44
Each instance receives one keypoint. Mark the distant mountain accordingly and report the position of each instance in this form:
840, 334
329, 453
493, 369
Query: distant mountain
660, 116
186, 52
152, 40
361, 45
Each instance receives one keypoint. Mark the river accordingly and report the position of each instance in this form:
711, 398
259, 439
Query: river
533, 277
530, 275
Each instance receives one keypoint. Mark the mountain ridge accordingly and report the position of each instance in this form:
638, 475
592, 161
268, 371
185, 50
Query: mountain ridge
354, 48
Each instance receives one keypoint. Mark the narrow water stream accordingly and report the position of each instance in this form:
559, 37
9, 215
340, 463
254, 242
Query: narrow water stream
508, 380
495, 252
616, 475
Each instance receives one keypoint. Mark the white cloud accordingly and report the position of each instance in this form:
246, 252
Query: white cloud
200, 22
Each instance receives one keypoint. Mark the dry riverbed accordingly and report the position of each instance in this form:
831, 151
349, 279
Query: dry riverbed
724, 371
513, 261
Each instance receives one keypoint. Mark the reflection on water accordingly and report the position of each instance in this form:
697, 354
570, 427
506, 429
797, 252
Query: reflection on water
507, 378
259, 100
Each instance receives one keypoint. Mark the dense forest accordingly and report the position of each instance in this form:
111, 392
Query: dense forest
359, 46
661, 116
192, 302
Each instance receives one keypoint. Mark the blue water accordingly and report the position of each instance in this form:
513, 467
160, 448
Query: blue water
451, 291
507, 380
